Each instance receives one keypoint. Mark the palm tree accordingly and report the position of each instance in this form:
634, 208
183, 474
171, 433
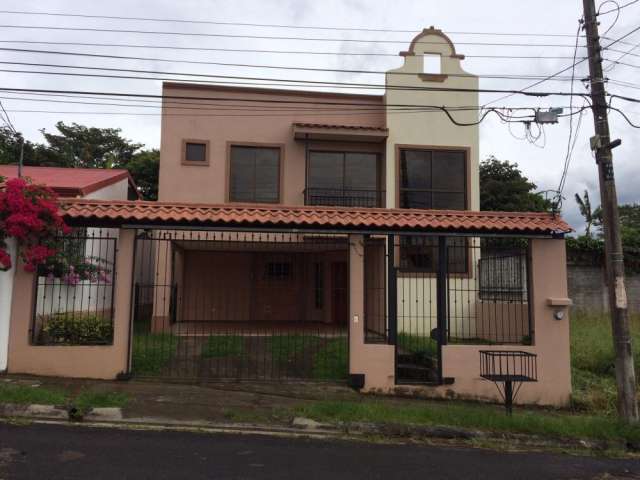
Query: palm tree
584, 204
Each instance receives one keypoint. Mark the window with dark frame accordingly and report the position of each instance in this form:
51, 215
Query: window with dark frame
278, 271
254, 174
195, 152
343, 178
433, 179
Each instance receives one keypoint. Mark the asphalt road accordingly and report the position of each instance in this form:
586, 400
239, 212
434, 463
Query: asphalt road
53, 452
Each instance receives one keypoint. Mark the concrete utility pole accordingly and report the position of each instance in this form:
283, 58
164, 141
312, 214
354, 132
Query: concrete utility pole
601, 143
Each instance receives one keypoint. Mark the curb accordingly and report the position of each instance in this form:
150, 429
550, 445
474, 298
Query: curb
301, 427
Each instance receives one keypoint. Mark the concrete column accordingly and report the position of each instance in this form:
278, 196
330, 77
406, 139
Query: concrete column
375, 361
122, 300
551, 336
6, 295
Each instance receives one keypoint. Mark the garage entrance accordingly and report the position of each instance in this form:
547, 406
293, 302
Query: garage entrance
240, 305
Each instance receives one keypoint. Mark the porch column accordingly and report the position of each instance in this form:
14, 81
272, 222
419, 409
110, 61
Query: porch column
375, 361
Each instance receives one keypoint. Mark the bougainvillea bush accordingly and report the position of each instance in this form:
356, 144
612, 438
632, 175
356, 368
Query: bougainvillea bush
29, 213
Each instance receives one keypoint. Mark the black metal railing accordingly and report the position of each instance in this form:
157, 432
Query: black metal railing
344, 197
73, 304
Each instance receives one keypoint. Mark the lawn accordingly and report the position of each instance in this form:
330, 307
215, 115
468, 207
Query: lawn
592, 362
468, 415
85, 400
328, 356
223, 346
152, 352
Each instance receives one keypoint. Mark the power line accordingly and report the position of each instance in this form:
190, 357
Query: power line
268, 25
277, 67
250, 50
298, 82
251, 100
617, 9
571, 141
267, 37
572, 66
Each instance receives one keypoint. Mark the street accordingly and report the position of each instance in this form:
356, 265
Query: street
69, 452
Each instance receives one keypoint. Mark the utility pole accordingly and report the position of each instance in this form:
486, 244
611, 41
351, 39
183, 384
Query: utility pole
614, 264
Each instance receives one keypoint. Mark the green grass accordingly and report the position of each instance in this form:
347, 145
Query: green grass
152, 352
26, 394
592, 362
475, 416
331, 362
87, 400
417, 344
223, 346
285, 347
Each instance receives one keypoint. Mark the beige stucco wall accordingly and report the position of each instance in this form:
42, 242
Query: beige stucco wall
225, 124
431, 128
73, 361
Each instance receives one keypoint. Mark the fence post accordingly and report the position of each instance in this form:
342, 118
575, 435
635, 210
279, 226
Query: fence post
442, 293
392, 292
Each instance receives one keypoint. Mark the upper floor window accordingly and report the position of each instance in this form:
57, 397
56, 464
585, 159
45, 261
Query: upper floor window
254, 174
195, 152
433, 179
343, 178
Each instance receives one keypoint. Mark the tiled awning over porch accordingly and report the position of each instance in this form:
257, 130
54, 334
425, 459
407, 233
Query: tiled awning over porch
344, 133
308, 219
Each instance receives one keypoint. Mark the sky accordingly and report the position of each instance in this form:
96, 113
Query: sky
541, 161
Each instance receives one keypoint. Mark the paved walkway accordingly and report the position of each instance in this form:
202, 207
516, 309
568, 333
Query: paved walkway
57, 452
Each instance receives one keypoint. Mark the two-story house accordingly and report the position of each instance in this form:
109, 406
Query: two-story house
332, 236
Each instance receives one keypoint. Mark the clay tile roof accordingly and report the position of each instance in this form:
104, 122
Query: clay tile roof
345, 127
309, 218
69, 182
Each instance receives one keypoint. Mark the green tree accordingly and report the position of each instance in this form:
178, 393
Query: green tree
629, 224
504, 187
584, 204
88, 147
144, 168
10, 144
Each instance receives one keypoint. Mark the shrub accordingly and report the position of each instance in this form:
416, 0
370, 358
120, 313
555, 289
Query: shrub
72, 328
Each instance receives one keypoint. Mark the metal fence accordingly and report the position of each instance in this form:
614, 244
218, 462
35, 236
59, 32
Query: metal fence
489, 303
344, 197
241, 305
74, 291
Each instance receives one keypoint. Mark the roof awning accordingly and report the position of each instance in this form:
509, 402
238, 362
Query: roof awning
309, 219
342, 133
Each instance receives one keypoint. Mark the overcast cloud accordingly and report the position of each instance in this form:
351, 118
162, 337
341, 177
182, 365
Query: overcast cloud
542, 165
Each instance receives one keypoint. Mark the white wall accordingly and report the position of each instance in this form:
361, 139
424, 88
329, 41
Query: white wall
6, 292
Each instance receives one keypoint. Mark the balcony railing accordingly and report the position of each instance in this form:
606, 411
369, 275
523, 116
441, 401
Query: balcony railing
347, 197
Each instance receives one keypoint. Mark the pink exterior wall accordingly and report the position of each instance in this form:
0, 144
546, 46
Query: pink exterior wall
208, 183
375, 361
103, 362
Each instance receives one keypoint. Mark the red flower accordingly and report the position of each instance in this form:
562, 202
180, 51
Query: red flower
5, 260
30, 214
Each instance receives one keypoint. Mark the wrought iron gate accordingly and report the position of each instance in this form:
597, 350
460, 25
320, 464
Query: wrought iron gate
213, 305
453, 290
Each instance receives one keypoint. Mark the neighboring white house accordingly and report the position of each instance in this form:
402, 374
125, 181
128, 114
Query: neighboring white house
93, 183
